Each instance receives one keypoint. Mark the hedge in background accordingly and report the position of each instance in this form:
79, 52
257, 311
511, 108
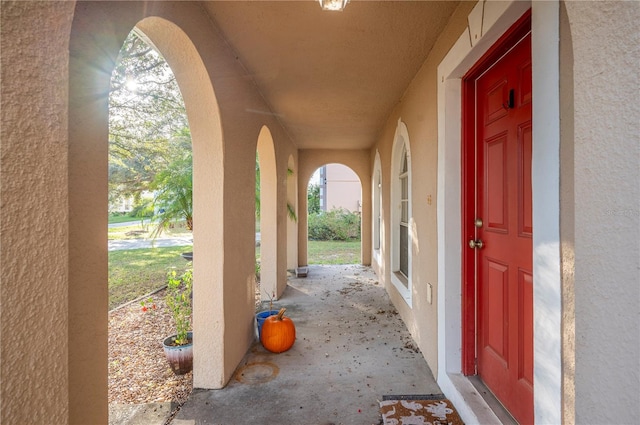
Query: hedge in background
335, 225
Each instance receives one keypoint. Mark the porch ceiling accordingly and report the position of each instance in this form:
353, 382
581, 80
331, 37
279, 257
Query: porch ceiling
332, 78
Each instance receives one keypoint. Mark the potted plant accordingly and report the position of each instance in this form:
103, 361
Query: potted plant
178, 348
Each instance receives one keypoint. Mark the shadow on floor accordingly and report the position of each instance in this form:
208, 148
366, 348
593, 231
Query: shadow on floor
351, 349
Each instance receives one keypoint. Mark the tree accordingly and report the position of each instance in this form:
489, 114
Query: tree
313, 199
173, 200
147, 119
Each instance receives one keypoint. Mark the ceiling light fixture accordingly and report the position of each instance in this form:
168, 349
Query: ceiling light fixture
335, 5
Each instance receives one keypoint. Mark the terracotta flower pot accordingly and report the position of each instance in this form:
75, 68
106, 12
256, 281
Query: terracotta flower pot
180, 357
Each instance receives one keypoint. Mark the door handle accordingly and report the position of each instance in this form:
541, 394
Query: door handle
476, 244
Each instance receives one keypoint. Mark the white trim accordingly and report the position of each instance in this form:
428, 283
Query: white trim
400, 141
545, 170
496, 18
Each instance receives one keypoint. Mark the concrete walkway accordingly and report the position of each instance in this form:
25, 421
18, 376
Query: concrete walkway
351, 350
149, 243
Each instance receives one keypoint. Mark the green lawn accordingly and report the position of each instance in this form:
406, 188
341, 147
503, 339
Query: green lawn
117, 218
333, 252
135, 272
330, 252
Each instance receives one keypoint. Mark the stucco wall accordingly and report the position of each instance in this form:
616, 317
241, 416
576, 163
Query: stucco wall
343, 188
34, 218
601, 208
418, 111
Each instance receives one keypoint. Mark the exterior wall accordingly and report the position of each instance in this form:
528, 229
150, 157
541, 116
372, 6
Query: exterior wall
601, 210
34, 220
342, 188
418, 111
578, 284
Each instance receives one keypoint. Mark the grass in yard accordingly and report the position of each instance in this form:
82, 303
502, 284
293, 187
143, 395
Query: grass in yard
118, 218
135, 272
333, 252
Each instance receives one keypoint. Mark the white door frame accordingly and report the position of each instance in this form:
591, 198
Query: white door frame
487, 22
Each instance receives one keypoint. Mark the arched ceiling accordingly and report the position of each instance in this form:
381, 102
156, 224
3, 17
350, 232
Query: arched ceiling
332, 78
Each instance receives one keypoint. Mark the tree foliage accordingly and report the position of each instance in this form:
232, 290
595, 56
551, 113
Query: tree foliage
147, 119
313, 199
173, 188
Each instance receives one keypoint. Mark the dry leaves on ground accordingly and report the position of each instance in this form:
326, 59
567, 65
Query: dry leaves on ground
138, 370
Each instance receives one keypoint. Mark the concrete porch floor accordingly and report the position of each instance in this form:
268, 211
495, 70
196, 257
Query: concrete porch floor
351, 349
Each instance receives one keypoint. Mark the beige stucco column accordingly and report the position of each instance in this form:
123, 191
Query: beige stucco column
34, 219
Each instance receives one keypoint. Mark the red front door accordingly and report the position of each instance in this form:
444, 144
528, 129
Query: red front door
500, 233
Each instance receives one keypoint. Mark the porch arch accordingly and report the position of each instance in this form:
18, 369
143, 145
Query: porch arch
359, 161
208, 201
96, 36
268, 215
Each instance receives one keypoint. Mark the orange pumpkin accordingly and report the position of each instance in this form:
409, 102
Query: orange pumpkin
278, 333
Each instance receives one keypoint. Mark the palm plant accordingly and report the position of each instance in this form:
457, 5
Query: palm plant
173, 200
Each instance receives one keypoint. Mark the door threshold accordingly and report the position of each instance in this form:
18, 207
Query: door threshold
494, 404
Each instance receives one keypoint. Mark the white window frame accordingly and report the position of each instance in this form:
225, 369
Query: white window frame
376, 185
402, 283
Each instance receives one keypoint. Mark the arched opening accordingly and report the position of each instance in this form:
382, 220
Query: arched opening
266, 213
94, 44
208, 267
150, 198
334, 208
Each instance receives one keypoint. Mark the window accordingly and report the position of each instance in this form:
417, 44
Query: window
404, 216
401, 219
377, 208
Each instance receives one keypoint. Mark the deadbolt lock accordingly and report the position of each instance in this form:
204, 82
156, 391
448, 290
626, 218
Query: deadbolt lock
478, 222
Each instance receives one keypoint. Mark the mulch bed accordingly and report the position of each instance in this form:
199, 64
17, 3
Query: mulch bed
138, 370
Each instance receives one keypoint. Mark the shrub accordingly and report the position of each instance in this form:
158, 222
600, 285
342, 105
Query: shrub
335, 225
143, 210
